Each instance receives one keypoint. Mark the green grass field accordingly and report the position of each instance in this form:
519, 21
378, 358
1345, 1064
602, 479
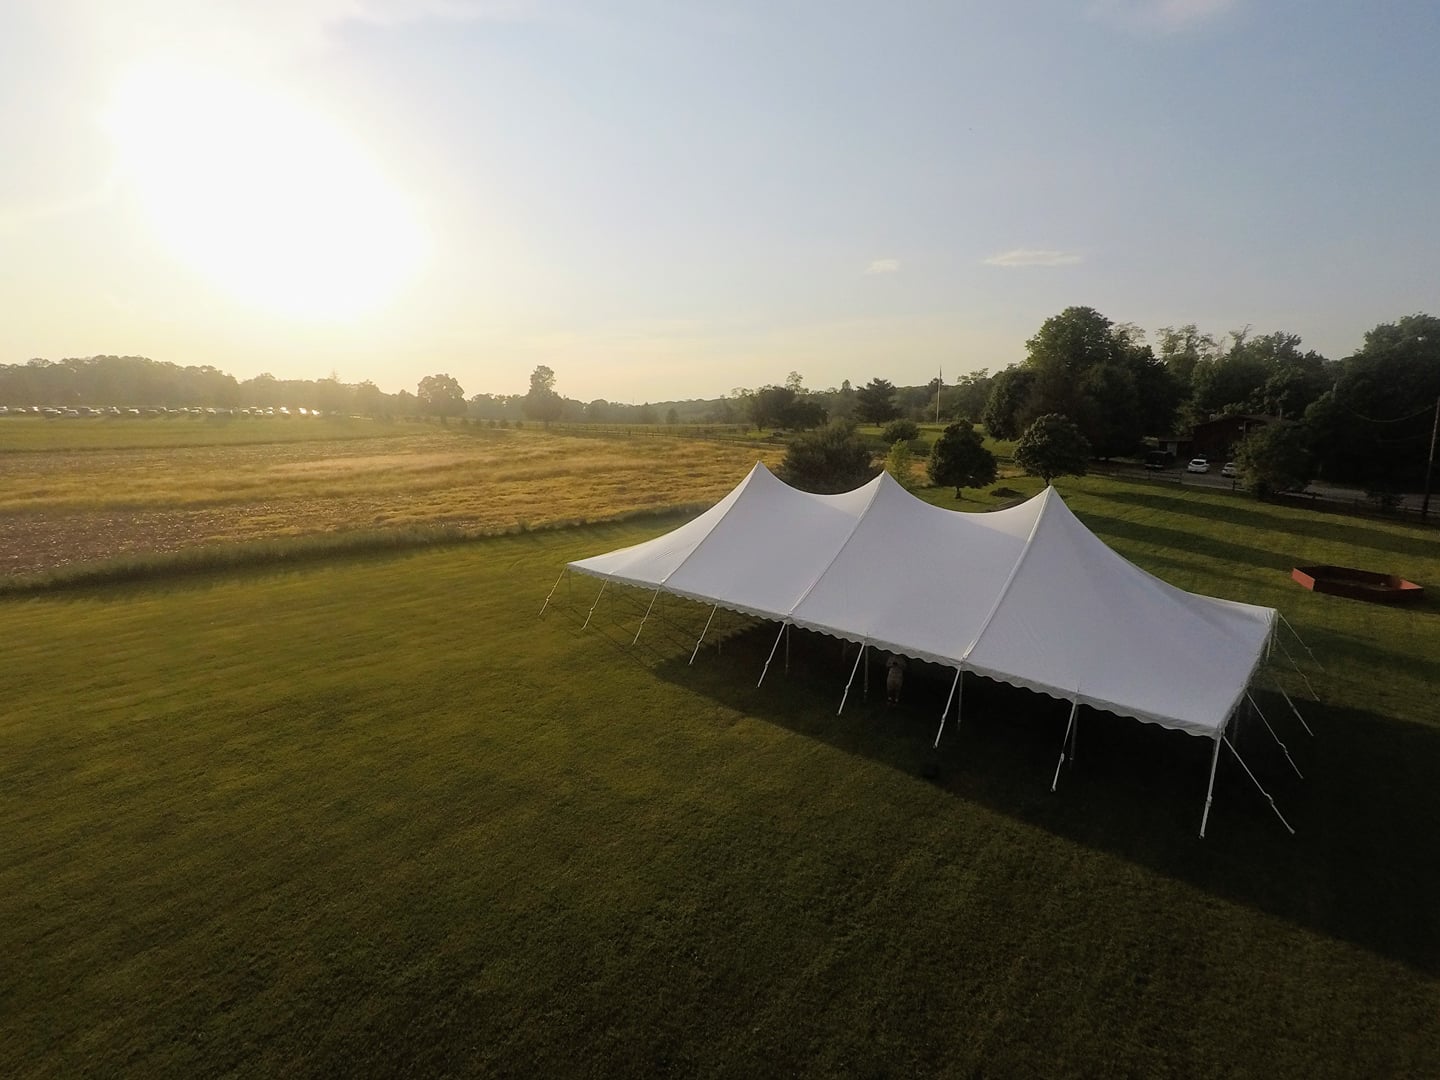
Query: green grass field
370, 817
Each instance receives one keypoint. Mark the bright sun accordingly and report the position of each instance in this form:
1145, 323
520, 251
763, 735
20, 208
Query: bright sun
264, 197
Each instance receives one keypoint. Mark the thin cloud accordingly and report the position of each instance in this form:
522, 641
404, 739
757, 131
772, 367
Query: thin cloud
883, 266
242, 32
1159, 16
1033, 257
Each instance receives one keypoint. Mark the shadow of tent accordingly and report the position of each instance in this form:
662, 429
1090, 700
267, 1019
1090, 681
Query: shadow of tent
1361, 868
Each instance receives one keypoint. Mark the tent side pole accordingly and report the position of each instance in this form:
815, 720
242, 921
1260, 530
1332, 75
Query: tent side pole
646, 617
867, 676
596, 604
552, 590
1210, 787
703, 633
946, 712
852, 679
1256, 782
787, 648
1278, 743
772, 652
1074, 708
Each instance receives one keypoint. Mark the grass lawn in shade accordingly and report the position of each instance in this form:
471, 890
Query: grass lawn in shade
370, 817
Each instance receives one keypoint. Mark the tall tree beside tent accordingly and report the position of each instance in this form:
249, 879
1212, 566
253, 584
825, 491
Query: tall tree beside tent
959, 459
542, 402
829, 460
875, 402
441, 395
1052, 446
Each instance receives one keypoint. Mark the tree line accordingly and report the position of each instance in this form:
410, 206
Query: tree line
1367, 418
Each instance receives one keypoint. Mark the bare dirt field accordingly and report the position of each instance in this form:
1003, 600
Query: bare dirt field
62, 507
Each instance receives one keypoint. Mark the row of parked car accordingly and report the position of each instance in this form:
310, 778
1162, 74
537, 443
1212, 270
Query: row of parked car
1202, 465
116, 410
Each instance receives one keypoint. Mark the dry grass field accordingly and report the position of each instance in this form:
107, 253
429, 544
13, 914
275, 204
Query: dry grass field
59, 507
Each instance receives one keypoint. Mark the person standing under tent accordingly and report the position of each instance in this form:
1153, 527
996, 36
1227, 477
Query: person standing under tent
894, 678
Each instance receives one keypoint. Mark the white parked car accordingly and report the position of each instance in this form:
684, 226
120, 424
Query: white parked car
1230, 471
1198, 464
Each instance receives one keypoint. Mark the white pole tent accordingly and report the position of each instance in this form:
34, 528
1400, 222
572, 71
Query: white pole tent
1027, 596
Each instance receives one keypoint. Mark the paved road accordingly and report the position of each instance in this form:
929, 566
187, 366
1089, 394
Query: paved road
1333, 492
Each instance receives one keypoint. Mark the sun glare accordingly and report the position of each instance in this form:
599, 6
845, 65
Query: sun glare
263, 196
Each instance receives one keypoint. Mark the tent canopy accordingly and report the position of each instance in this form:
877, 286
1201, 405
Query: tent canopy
1027, 595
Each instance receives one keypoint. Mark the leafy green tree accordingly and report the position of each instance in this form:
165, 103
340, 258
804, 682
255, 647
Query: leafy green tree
966, 400
440, 395
960, 459
671, 416
900, 464
1052, 446
1182, 350
1276, 458
1103, 375
1009, 396
542, 402
875, 402
901, 430
1374, 427
369, 400
768, 406
831, 459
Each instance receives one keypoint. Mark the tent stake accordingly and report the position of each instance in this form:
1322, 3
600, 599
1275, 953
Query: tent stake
643, 620
1074, 708
1210, 787
772, 652
946, 712
1278, 743
703, 632
596, 604
552, 591
852, 679
1257, 785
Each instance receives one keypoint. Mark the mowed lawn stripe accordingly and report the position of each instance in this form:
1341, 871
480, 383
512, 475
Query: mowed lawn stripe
373, 817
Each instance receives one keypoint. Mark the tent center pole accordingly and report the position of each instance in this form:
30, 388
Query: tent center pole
703, 632
852, 679
772, 652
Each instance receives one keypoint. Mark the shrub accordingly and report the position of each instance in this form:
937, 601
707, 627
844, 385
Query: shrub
900, 431
828, 460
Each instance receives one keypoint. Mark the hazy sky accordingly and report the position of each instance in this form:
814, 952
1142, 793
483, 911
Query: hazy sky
668, 199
